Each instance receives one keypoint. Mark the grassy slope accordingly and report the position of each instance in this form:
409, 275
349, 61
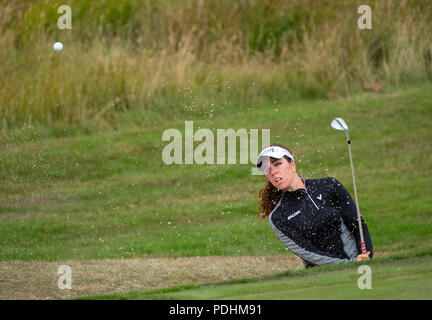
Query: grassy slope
109, 195
408, 278
164, 59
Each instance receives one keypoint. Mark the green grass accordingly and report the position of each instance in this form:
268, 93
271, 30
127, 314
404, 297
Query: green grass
157, 61
391, 279
81, 171
107, 194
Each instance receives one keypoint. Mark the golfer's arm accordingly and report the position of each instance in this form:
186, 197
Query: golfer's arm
348, 211
304, 249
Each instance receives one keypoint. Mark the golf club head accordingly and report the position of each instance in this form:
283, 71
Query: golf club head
339, 124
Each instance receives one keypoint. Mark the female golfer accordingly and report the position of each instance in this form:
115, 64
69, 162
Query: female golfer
315, 218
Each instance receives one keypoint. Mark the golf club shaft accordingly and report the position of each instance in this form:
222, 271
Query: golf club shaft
363, 246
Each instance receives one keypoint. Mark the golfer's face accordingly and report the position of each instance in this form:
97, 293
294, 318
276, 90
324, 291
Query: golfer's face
281, 173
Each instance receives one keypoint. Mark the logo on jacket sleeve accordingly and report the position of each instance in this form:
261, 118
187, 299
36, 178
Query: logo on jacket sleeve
319, 197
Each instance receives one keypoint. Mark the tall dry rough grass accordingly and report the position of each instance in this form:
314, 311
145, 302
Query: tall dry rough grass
150, 61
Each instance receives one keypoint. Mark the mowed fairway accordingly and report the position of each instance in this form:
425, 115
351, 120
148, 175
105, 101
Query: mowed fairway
409, 278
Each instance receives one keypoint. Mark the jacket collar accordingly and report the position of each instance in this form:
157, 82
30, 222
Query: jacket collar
298, 191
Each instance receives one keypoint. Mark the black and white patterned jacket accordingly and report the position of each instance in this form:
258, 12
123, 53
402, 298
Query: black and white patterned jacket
319, 223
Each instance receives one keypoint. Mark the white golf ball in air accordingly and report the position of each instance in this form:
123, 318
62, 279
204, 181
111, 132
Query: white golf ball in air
58, 46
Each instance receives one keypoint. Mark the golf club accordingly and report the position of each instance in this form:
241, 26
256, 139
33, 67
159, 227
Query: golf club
339, 124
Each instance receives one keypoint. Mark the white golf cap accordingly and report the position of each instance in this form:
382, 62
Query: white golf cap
263, 161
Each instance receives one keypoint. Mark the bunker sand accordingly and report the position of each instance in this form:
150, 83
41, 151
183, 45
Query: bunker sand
39, 280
